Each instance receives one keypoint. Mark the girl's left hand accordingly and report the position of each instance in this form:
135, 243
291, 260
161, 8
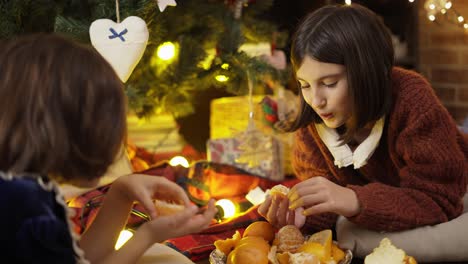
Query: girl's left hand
320, 195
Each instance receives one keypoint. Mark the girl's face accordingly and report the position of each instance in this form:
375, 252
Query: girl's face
325, 88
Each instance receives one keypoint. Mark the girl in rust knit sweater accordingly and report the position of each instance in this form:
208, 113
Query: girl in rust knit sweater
373, 142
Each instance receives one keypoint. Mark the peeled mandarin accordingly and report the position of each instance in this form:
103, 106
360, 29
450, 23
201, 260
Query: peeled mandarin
289, 238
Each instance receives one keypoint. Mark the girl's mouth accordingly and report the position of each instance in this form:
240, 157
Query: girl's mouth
326, 116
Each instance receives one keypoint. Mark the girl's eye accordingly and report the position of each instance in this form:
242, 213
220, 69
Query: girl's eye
330, 85
303, 86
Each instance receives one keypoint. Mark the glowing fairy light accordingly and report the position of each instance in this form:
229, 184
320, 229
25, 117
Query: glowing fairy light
228, 207
221, 78
124, 236
431, 17
179, 160
166, 51
348, 2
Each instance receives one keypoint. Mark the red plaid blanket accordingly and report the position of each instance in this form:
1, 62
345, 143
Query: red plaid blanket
204, 180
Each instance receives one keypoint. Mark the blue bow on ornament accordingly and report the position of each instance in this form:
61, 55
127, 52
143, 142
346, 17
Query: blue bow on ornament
117, 35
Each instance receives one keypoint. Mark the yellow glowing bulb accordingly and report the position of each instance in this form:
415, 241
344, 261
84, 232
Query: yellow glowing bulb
229, 208
443, 11
411, 1
465, 25
225, 66
348, 2
166, 51
221, 78
179, 160
460, 19
448, 5
431, 17
124, 236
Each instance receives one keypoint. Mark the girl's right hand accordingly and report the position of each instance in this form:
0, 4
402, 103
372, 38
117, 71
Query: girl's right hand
183, 223
275, 210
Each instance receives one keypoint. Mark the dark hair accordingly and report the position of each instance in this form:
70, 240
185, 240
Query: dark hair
355, 37
62, 109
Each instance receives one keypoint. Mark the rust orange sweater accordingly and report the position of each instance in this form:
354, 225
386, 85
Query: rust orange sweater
418, 173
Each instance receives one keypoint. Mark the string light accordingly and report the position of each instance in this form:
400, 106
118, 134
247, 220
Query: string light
124, 236
166, 51
179, 160
445, 9
227, 206
348, 2
221, 78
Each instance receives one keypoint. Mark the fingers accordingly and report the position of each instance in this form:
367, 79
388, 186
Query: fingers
170, 190
197, 222
291, 217
316, 185
272, 210
316, 209
148, 204
300, 218
282, 214
309, 200
263, 208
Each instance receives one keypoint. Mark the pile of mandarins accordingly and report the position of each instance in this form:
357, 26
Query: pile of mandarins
261, 244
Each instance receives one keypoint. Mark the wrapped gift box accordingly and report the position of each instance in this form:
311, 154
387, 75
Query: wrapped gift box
230, 115
266, 161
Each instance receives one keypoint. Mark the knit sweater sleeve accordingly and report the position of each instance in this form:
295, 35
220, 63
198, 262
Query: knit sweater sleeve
308, 162
430, 157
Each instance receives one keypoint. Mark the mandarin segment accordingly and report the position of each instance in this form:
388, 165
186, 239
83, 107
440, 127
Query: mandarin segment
337, 253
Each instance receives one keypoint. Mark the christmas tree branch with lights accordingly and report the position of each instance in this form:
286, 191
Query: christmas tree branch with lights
192, 47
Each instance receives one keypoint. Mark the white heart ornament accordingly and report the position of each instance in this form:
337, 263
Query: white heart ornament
121, 44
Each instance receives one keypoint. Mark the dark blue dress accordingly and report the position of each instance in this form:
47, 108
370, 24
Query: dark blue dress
34, 228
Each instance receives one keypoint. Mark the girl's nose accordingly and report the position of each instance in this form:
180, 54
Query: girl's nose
318, 101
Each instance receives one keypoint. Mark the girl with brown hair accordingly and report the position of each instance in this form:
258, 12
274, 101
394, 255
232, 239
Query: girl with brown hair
63, 120
373, 143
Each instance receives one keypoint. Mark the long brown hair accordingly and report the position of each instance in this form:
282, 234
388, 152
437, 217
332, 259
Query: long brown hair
355, 37
62, 109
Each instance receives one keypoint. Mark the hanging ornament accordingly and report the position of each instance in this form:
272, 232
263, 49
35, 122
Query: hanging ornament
162, 4
122, 44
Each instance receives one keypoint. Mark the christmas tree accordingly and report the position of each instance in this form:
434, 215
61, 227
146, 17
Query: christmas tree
206, 35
